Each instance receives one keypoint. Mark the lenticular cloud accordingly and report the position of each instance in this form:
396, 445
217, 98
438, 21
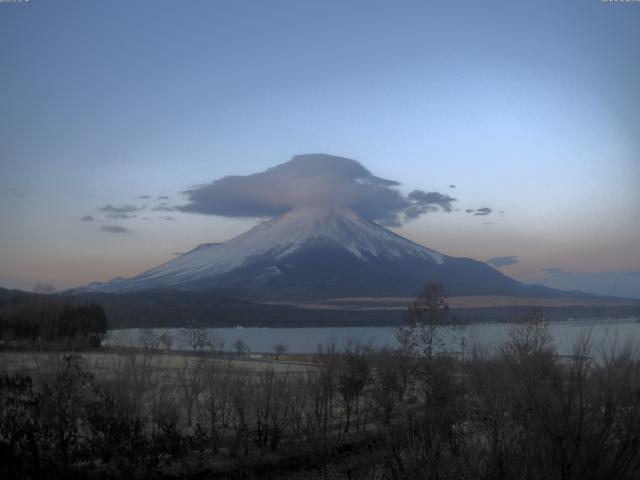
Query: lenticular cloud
313, 179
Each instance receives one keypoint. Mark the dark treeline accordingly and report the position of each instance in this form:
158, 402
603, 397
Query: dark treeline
28, 319
518, 411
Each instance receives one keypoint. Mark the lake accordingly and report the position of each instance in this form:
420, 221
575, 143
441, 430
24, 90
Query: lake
603, 332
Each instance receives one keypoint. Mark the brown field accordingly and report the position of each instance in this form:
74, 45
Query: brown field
485, 301
119, 359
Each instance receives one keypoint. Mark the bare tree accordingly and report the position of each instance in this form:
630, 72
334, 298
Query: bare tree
428, 323
427, 314
352, 379
241, 347
271, 394
148, 340
190, 378
216, 343
386, 385
325, 385
241, 391
279, 349
166, 340
530, 343
196, 337
216, 398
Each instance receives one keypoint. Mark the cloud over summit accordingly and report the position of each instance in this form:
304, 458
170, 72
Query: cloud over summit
313, 179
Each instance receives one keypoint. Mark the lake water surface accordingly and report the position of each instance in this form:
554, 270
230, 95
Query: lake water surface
604, 333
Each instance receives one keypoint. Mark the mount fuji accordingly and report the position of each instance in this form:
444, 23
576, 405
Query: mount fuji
316, 252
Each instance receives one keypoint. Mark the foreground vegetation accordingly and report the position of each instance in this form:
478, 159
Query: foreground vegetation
46, 321
519, 411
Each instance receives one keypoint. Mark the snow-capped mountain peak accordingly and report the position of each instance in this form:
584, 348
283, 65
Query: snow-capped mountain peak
276, 239
312, 252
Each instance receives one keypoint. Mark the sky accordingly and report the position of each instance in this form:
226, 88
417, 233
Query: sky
526, 113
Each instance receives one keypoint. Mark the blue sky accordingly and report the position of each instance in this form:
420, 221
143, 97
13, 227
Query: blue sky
528, 108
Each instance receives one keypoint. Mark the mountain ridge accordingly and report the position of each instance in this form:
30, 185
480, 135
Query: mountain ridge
319, 251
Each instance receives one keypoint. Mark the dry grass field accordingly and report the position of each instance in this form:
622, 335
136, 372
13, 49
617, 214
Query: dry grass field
117, 359
484, 301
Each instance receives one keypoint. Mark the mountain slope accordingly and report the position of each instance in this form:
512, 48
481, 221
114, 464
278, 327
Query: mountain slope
315, 252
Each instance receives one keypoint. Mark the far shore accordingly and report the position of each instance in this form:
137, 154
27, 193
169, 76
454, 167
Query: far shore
463, 302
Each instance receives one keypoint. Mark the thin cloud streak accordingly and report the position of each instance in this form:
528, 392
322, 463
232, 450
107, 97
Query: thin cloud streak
117, 229
499, 262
